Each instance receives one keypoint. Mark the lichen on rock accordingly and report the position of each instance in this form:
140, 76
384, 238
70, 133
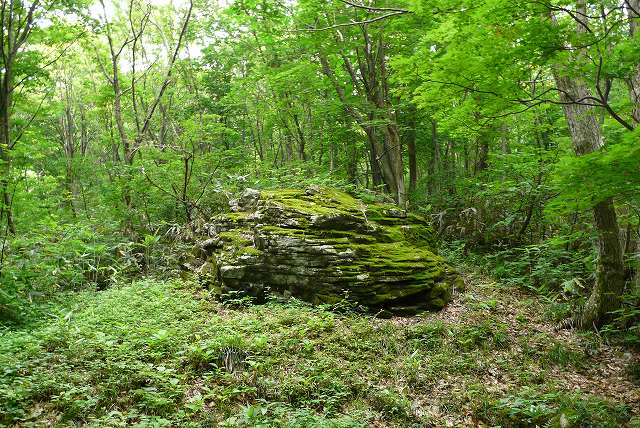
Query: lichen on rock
321, 245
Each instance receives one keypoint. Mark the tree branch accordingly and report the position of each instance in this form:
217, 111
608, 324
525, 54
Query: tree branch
352, 23
375, 9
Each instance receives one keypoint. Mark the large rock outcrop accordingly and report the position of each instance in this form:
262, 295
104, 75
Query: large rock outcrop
322, 245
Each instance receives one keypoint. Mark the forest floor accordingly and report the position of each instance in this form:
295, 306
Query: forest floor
156, 353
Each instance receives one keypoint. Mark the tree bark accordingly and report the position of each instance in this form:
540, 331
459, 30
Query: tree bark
482, 160
586, 135
411, 151
16, 24
5, 146
607, 291
385, 157
633, 7
434, 162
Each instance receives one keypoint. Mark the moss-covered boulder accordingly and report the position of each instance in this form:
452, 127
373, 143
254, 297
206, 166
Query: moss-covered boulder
321, 245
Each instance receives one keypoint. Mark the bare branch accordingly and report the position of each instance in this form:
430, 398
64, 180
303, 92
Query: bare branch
352, 23
375, 9
165, 83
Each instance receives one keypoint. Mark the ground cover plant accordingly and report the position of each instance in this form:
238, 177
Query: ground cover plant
157, 353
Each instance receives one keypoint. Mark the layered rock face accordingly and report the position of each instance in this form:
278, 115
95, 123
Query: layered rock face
322, 245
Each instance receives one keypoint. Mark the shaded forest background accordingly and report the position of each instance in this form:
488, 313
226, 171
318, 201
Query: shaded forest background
512, 125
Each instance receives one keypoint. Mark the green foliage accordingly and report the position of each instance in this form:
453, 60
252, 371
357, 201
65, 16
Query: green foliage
487, 334
562, 356
55, 257
269, 415
626, 324
604, 174
155, 353
547, 268
553, 409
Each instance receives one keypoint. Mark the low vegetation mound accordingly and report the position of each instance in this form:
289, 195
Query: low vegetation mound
322, 245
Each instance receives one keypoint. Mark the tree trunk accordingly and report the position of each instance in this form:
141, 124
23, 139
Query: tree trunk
451, 165
633, 7
377, 176
434, 162
586, 135
5, 144
606, 294
504, 140
411, 149
301, 140
385, 158
352, 165
482, 160
396, 171
393, 144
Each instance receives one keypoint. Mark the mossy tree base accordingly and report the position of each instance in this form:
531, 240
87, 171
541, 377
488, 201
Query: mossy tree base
322, 245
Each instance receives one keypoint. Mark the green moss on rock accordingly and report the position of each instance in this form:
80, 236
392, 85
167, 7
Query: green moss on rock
321, 244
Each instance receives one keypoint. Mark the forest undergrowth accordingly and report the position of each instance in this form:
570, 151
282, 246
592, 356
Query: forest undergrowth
164, 353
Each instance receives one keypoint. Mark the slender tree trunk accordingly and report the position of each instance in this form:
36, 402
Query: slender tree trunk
504, 140
352, 164
301, 139
393, 143
411, 149
434, 162
633, 7
68, 134
374, 149
288, 147
332, 156
5, 144
451, 165
17, 22
482, 160
258, 139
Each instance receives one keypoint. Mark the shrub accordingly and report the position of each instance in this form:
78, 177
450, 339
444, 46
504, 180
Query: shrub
54, 257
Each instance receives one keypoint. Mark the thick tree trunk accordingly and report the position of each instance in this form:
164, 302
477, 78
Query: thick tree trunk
586, 136
606, 294
380, 164
394, 146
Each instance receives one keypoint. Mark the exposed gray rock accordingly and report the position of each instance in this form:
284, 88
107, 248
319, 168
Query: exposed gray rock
320, 244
